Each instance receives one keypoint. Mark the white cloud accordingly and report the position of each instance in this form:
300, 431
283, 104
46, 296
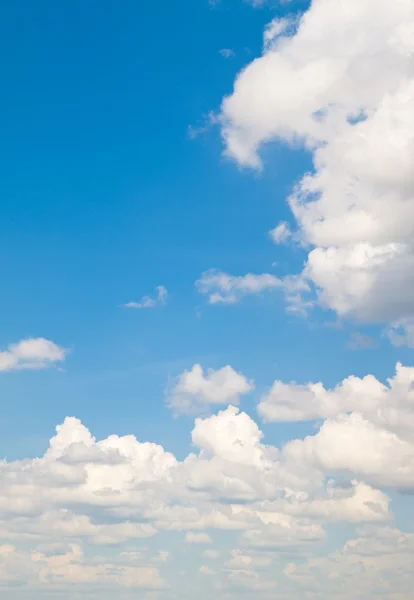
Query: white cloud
206, 570
373, 421
84, 493
195, 391
341, 82
228, 289
198, 538
373, 453
222, 288
32, 353
281, 233
401, 333
293, 402
388, 405
159, 299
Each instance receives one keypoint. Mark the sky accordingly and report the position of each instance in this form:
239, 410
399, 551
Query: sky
206, 351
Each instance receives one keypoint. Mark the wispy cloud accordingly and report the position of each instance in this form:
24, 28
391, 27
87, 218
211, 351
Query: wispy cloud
159, 299
227, 53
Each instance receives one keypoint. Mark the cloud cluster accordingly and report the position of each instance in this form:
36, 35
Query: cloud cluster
340, 81
84, 493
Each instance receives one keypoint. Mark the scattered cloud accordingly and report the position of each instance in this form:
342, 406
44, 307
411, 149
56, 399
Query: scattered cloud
159, 299
31, 353
195, 391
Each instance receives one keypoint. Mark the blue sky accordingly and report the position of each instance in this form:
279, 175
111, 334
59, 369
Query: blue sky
105, 197
107, 193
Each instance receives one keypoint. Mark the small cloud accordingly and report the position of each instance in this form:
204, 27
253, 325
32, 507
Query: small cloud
195, 390
401, 333
227, 53
198, 538
159, 299
361, 341
281, 233
205, 570
193, 131
162, 556
32, 353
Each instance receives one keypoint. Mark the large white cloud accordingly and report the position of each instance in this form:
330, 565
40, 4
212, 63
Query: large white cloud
341, 82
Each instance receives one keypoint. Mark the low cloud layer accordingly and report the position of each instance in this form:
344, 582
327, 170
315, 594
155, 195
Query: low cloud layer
63, 516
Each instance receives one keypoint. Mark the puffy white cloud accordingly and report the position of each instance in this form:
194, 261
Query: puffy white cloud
293, 402
351, 444
195, 391
31, 353
390, 406
159, 299
367, 432
340, 81
231, 435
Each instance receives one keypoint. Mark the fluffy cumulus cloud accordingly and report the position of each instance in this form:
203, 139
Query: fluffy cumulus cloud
195, 391
91, 513
340, 81
159, 299
373, 421
31, 353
